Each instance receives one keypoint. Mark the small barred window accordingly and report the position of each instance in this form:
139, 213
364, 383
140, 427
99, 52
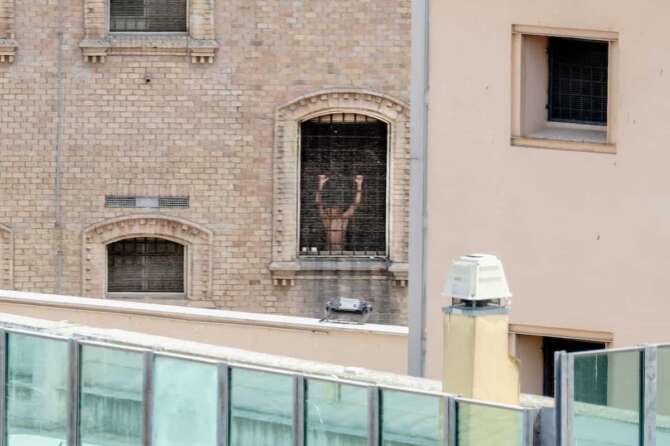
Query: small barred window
148, 16
145, 265
343, 183
578, 71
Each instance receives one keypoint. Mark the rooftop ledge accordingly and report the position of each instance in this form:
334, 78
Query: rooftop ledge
193, 314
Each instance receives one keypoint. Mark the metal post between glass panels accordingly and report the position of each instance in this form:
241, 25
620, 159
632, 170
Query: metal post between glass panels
3, 387
649, 389
449, 421
529, 420
299, 410
73, 393
373, 416
562, 397
223, 418
148, 397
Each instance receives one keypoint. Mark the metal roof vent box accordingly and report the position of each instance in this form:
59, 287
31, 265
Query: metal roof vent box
477, 277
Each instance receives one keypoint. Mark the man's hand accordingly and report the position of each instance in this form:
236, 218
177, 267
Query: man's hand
359, 181
323, 179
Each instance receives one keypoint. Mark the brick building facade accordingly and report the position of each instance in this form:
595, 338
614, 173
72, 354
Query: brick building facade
212, 115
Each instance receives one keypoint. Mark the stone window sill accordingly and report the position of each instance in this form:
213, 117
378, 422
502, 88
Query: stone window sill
285, 273
567, 138
149, 44
8, 49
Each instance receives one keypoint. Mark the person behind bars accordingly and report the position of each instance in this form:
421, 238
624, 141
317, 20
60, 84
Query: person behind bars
334, 220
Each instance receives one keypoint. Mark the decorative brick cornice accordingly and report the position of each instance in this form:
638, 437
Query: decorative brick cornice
285, 219
197, 238
6, 258
199, 44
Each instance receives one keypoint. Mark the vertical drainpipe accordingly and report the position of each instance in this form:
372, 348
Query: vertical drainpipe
58, 168
416, 311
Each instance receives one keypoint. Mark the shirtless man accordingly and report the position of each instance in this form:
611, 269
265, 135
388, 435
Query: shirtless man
334, 221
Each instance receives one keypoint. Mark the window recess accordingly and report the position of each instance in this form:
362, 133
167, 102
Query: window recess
562, 90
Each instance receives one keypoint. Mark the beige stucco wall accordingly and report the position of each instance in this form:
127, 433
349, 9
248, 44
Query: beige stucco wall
295, 337
583, 236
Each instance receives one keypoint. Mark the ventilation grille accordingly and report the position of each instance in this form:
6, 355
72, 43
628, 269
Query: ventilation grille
128, 201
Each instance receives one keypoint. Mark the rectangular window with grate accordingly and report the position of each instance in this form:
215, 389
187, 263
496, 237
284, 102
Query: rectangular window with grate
343, 183
131, 201
148, 15
578, 81
145, 265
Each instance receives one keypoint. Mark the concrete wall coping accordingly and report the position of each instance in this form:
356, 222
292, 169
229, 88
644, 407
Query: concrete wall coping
197, 314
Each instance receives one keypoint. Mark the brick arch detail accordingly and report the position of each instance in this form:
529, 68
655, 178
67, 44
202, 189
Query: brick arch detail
6, 257
196, 238
286, 161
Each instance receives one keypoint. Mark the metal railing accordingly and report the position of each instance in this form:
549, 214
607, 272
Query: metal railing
321, 409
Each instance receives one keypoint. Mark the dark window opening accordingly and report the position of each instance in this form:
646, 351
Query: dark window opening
148, 15
578, 81
343, 181
592, 386
145, 265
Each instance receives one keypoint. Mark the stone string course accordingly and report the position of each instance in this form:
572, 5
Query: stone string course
157, 124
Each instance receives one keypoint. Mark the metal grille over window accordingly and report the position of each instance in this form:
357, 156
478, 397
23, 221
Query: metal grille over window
145, 265
119, 201
343, 186
148, 15
578, 81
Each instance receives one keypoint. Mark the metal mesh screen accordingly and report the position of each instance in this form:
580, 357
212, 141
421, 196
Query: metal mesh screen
148, 15
578, 81
173, 202
148, 265
130, 201
337, 215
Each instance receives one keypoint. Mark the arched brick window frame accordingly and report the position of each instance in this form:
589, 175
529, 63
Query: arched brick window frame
286, 264
6, 258
196, 239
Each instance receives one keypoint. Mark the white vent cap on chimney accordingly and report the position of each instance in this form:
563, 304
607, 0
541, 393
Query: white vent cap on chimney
477, 277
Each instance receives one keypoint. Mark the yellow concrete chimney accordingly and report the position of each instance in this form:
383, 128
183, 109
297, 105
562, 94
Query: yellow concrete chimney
477, 361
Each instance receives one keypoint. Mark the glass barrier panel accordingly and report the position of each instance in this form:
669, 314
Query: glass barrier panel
336, 414
480, 425
607, 399
409, 419
37, 391
261, 408
663, 397
184, 407
111, 397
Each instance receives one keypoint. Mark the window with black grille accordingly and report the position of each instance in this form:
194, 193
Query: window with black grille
343, 175
145, 265
148, 15
578, 81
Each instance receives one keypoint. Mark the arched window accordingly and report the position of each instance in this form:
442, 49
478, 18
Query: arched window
145, 265
343, 185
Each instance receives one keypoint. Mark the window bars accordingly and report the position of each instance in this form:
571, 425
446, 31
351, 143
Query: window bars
578, 71
148, 16
145, 265
343, 186
224, 405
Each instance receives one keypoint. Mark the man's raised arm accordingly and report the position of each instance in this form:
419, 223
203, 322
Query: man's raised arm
358, 181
